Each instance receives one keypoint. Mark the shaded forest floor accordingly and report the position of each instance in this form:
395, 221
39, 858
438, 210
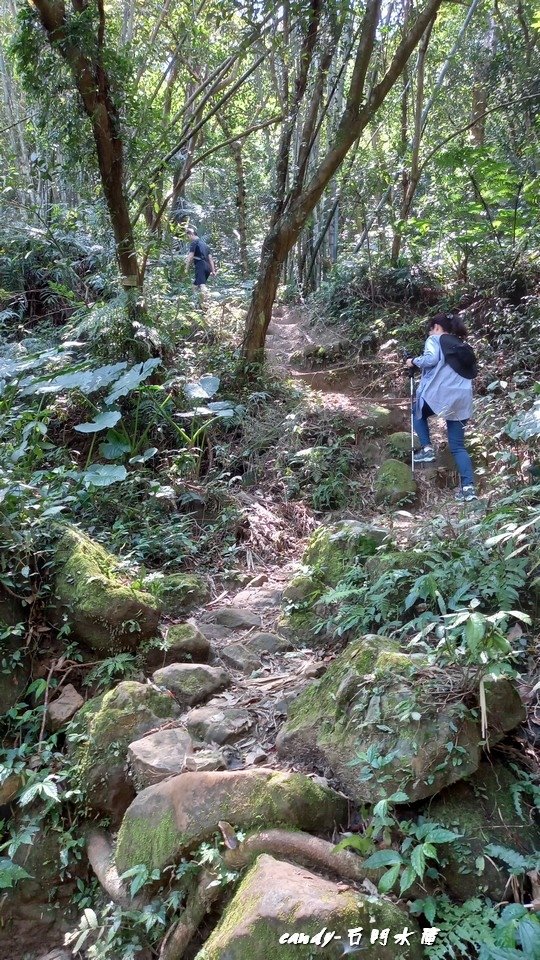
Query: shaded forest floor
309, 459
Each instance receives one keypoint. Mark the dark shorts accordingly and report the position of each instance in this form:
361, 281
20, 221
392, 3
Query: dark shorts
201, 273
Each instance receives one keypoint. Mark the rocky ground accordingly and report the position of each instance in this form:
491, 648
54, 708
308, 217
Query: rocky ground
244, 715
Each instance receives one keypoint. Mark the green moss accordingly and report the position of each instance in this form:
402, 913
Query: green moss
398, 445
251, 926
375, 419
389, 560
178, 592
320, 703
105, 609
181, 633
247, 802
151, 841
333, 549
394, 483
106, 725
393, 663
88, 573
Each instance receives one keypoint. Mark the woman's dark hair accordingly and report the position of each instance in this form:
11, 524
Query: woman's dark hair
450, 323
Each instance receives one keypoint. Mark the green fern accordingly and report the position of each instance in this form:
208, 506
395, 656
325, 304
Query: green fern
516, 861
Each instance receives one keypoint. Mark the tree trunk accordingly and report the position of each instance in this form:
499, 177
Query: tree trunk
92, 82
480, 90
411, 177
358, 112
241, 207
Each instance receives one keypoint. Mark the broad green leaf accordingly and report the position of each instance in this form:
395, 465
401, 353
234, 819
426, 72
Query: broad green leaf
389, 878
383, 858
441, 835
10, 873
418, 861
202, 389
115, 446
102, 422
103, 475
407, 879
132, 379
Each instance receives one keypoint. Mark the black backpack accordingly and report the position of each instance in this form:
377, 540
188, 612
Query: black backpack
459, 355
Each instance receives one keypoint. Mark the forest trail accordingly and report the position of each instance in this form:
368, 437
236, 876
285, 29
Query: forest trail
247, 628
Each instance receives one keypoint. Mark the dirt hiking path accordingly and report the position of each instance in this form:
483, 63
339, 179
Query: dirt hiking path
246, 627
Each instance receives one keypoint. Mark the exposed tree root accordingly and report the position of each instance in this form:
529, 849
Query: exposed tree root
100, 851
302, 848
197, 906
299, 847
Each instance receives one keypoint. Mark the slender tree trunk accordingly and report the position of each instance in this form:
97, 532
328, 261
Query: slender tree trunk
357, 114
241, 206
480, 90
92, 82
411, 177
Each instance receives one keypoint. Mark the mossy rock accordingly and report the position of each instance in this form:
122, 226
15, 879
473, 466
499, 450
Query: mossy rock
356, 710
394, 483
169, 819
101, 733
398, 445
104, 609
377, 419
276, 898
177, 593
330, 552
191, 683
387, 561
335, 547
482, 810
183, 642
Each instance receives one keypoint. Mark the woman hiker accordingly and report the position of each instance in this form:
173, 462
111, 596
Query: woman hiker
448, 367
201, 258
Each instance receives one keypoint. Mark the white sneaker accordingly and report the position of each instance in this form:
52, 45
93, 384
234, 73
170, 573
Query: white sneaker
465, 494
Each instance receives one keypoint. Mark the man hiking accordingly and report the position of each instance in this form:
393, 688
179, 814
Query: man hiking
199, 255
448, 368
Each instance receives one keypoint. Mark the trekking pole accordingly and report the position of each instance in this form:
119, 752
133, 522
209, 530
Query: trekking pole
410, 372
411, 381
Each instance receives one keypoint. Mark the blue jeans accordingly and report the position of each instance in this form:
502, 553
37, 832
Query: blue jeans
456, 442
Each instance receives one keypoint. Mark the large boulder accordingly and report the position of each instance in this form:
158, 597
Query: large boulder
215, 724
191, 683
353, 721
335, 547
100, 736
177, 593
276, 902
104, 609
482, 809
14, 661
168, 820
394, 483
